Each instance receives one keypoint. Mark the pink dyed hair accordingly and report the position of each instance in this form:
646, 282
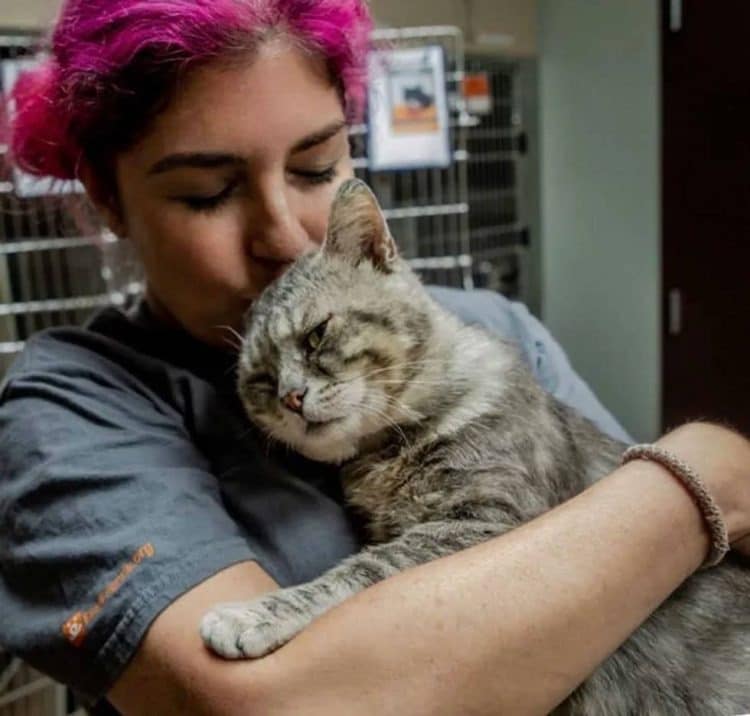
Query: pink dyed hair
114, 63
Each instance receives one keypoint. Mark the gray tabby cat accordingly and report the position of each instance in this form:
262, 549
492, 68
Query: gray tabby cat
445, 440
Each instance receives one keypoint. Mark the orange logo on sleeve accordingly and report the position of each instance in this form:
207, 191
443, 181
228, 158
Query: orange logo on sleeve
74, 629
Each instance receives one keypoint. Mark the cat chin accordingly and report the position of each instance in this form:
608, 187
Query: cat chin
330, 444
334, 453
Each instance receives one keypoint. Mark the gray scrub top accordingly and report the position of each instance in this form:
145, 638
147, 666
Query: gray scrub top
129, 474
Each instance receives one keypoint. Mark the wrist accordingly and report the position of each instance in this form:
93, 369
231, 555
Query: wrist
721, 457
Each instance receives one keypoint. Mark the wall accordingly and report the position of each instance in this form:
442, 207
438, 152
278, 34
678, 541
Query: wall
508, 26
23, 14
600, 185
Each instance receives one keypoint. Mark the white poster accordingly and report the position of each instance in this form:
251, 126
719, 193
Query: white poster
26, 185
408, 109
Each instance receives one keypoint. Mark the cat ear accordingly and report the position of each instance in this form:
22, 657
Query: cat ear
357, 229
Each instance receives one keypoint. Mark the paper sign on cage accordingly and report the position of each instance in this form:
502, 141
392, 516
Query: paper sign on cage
408, 109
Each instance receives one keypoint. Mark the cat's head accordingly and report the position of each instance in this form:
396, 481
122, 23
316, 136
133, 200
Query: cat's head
330, 347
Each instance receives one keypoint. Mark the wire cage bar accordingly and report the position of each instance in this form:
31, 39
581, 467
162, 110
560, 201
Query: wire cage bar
26, 692
459, 226
428, 208
499, 191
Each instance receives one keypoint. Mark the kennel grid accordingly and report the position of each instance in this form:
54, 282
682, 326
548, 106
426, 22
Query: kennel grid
49, 274
26, 692
460, 226
499, 207
428, 209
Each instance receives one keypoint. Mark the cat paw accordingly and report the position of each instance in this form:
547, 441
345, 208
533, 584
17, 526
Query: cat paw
241, 630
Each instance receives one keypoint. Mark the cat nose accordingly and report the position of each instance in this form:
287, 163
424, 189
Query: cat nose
293, 400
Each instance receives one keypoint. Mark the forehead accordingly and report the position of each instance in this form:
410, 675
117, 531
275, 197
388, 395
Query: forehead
253, 107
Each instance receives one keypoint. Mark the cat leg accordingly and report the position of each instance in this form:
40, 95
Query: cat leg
253, 629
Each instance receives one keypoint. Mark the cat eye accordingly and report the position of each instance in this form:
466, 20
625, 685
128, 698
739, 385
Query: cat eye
259, 381
315, 337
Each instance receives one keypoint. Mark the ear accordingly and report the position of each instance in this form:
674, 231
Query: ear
106, 204
357, 229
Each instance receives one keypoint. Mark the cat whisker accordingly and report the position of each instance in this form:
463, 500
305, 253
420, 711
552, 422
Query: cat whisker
409, 382
408, 412
231, 368
397, 366
411, 363
389, 421
234, 334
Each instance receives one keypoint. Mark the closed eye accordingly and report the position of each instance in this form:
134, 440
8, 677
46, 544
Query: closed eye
325, 176
315, 337
208, 203
259, 382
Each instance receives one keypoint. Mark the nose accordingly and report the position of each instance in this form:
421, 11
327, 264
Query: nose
275, 233
294, 399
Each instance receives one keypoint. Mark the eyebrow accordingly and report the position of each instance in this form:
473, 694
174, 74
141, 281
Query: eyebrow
195, 160
322, 135
216, 160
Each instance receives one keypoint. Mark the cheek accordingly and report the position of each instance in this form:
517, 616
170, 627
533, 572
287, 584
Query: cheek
262, 408
351, 394
358, 392
204, 248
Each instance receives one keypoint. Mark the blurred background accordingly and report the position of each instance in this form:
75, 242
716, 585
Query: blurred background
598, 172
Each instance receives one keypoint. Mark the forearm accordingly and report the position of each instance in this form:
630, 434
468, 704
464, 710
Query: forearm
510, 626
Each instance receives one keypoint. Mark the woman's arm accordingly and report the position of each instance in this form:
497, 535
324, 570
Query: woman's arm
510, 626
172, 672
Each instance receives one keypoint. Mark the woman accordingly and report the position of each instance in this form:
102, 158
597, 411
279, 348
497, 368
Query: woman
212, 134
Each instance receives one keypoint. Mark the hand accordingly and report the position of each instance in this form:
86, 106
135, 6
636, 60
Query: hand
721, 457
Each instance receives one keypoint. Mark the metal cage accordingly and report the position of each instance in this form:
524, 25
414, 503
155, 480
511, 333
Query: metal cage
463, 226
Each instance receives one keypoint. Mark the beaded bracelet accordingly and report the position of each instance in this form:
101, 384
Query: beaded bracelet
695, 486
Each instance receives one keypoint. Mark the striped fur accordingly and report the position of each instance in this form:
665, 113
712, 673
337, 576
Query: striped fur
446, 440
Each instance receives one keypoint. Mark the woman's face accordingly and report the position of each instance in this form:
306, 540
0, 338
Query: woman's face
231, 184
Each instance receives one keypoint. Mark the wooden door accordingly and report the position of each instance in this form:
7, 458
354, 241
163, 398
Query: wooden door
706, 202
